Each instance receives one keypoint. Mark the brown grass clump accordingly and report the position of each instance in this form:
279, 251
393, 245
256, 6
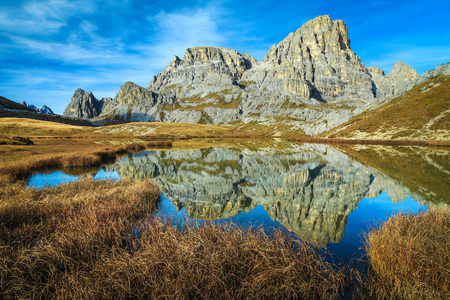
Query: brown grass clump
221, 263
409, 257
52, 241
17, 167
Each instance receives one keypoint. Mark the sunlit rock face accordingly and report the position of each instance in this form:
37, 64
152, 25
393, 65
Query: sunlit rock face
309, 189
311, 81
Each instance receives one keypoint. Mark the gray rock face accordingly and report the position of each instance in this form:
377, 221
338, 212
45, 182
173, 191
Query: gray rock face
134, 103
44, 110
311, 81
315, 62
443, 69
205, 68
399, 80
84, 105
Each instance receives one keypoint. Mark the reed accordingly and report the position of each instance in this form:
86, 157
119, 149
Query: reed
409, 257
220, 262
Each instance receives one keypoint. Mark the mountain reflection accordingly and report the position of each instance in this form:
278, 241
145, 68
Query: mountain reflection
310, 189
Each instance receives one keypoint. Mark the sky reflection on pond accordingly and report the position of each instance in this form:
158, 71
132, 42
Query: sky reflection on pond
314, 191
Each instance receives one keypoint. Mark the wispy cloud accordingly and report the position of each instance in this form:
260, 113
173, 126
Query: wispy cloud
42, 17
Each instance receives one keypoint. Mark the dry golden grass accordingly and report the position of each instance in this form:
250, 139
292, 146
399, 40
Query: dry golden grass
85, 240
152, 144
135, 147
222, 263
18, 161
419, 115
52, 240
409, 257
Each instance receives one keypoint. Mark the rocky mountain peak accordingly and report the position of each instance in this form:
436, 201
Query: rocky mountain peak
315, 61
83, 105
399, 80
217, 65
316, 38
44, 110
402, 71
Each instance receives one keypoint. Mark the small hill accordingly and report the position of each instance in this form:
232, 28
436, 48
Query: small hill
420, 114
12, 109
9, 104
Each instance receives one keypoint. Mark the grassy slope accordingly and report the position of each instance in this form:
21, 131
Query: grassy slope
420, 114
9, 104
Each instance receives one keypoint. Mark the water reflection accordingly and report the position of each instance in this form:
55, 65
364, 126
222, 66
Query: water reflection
309, 189
319, 193
59, 177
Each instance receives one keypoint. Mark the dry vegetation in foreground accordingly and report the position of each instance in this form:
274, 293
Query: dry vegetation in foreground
85, 240
409, 257
53, 242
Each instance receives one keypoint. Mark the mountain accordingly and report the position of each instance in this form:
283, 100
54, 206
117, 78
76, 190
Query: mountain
310, 83
422, 113
84, 105
44, 110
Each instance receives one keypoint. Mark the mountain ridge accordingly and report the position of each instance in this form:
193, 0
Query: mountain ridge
311, 82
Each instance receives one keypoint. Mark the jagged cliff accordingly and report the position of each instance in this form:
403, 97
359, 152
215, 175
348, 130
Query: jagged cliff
311, 82
84, 105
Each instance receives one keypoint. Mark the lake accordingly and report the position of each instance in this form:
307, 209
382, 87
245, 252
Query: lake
326, 195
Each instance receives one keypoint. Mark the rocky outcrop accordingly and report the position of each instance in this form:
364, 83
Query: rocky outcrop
133, 104
399, 80
443, 69
316, 62
84, 105
44, 110
202, 70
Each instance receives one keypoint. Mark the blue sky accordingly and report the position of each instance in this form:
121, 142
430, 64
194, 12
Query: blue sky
49, 48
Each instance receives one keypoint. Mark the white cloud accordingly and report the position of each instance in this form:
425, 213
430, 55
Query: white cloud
181, 30
43, 17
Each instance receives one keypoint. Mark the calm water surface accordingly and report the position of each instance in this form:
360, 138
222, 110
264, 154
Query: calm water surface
317, 192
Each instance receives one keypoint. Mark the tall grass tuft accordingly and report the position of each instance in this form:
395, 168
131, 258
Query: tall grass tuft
216, 262
52, 240
409, 256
